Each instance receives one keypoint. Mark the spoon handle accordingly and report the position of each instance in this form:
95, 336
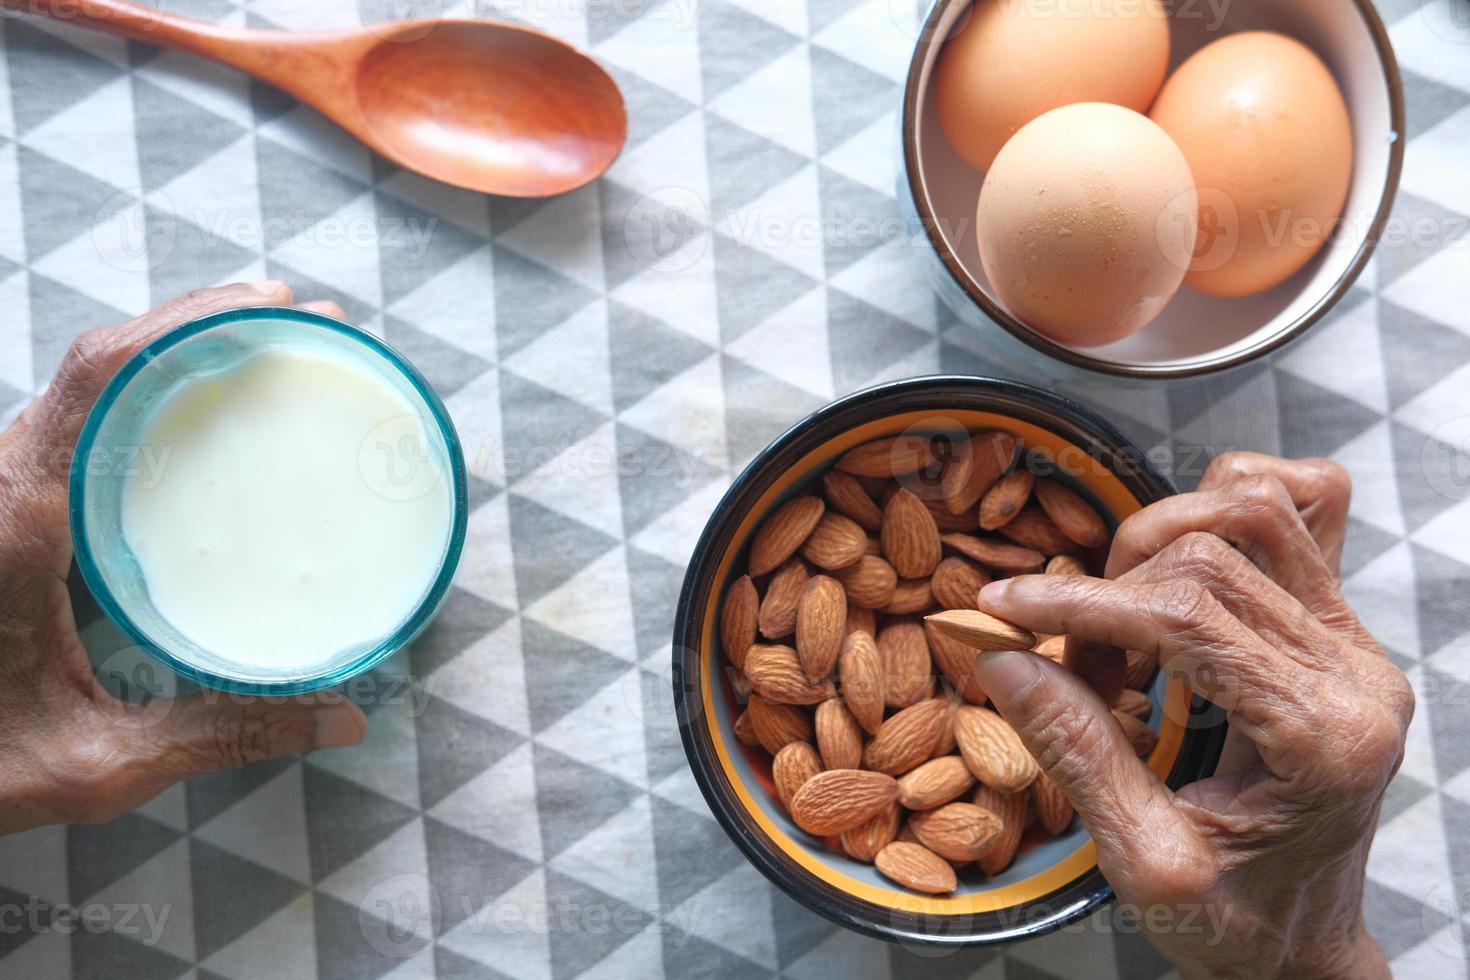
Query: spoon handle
282, 58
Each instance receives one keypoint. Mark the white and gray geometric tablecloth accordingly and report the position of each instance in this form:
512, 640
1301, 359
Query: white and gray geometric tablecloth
521, 807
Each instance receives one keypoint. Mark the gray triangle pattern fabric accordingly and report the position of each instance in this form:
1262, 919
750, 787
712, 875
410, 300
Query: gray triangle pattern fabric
521, 807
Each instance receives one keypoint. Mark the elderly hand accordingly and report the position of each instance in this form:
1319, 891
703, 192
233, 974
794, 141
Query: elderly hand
1234, 589
72, 751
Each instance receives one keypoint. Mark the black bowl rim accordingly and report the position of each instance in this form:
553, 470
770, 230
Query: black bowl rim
1198, 754
909, 139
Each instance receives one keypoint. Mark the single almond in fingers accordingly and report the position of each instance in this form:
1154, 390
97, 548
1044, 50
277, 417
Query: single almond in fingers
738, 620
911, 596
791, 768
956, 583
916, 867
935, 783
1072, 515
1134, 703
976, 469
981, 630
897, 456
820, 617
839, 736
993, 750
1143, 738
907, 739
1053, 809
957, 831
1014, 810
863, 842
870, 582
836, 542
776, 674
1003, 501
908, 671
860, 675
847, 496
910, 536
1033, 529
777, 725
999, 556
1053, 648
777, 616
783, 532
1066, 565
840, 799
956, 661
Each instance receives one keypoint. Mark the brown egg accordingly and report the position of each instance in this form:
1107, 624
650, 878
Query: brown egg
1012, 60
1267, 133
1087, 222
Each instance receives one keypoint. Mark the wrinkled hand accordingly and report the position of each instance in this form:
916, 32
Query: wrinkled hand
1235, 590
72, 751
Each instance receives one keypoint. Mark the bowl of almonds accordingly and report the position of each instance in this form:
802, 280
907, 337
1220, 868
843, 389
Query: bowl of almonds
825, 639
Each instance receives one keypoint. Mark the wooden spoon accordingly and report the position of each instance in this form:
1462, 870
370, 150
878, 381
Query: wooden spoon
489, 106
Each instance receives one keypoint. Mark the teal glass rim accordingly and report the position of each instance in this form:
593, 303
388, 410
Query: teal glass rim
114, 611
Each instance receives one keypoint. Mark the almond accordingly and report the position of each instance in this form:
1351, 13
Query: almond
820, 617
956, 661
1004, 501
863, 842
915, 866
1053, 809
956, 583
783, 532
1066, 565
1143, 738
911, 596
775, 672
1140, 671
860, 619
777, 616
1013, 809
869, 582
744, 730
908, 671
957, 831
976, 469
993, 750
841, 799
847, 496
897, 456
860, 668
839, 736
1053, 648
981, 630
946, 744
935, 783
738, 619
777, 725
873, 546
966, 520
1072, 515
1033, 529
835, 542
793, 766
1134, 703
1008, 559
907, 739
910, 537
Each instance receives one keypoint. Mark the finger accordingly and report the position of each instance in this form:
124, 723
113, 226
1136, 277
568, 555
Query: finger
1101, 666
1255, 515
1184, 627
1320, 489
1068, 728
325, 307
96, 356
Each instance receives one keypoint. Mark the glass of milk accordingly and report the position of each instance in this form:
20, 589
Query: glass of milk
268, 500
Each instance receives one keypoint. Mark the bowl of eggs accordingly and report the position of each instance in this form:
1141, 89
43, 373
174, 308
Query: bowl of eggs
1147, 189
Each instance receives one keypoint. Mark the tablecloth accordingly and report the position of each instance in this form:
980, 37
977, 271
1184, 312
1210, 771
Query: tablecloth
521, 806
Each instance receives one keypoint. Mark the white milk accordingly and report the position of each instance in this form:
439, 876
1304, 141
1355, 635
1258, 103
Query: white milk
278, 529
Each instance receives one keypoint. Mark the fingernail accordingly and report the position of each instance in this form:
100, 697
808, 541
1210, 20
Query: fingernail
995, 593
1005, 674
268, 287
338, 726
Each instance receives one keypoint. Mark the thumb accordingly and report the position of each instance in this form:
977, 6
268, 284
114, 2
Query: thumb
1073, 735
